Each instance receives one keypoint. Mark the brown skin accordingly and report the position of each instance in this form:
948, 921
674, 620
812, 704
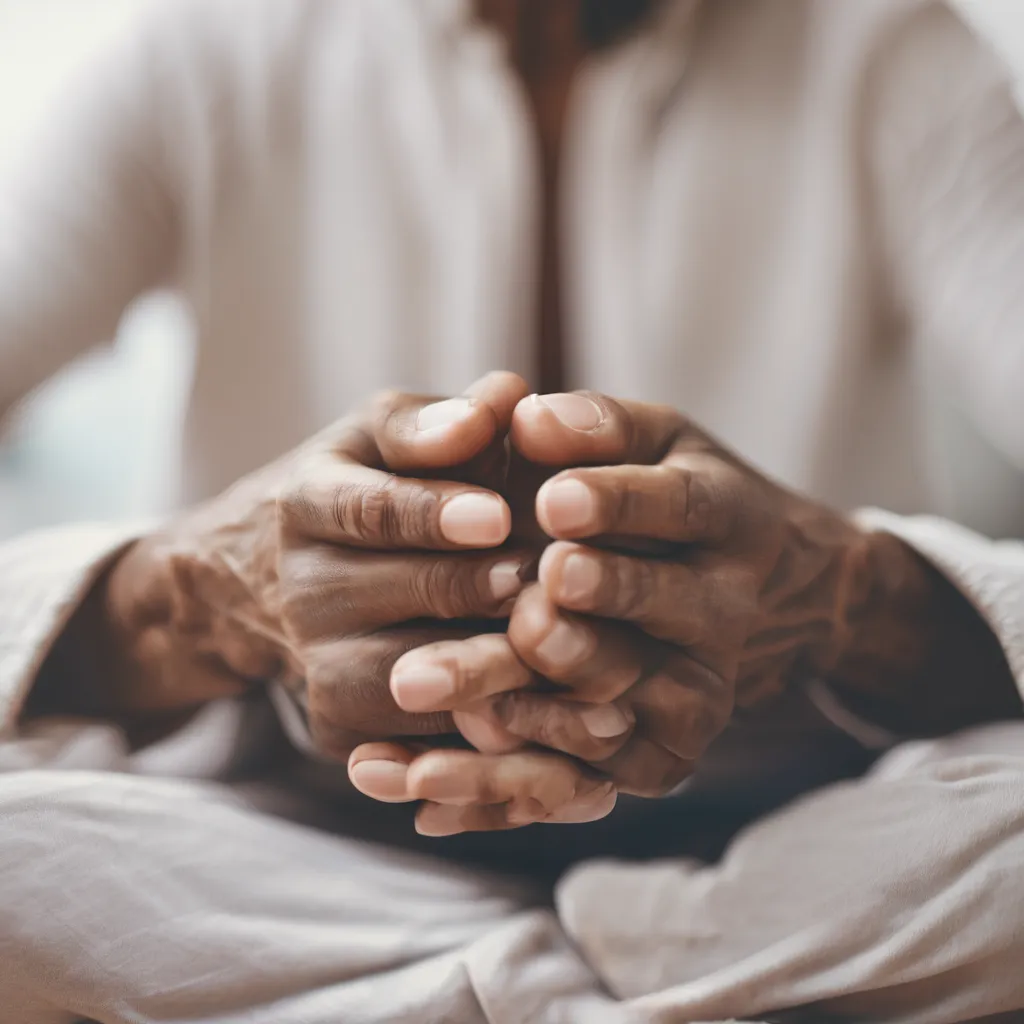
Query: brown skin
762, 589
305, 569
316, 566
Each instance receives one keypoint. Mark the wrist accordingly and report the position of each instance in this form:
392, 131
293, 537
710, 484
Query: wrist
910, 652
126, 655
90, 670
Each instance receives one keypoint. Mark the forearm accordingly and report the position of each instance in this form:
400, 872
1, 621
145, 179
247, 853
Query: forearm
914, 655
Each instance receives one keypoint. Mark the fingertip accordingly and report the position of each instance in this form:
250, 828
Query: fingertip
476, 519
502, 391
570, 575
439, 434
438, 820
380, 771
419, 685
558, 429
567, 507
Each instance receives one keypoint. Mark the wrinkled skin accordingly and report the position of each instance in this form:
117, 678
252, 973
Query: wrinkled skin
388, 570
649, 654
680, 583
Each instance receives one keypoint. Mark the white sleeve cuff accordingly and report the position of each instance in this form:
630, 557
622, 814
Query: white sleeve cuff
44, 576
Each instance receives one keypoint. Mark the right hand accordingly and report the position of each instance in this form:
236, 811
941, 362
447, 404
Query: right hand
321, 568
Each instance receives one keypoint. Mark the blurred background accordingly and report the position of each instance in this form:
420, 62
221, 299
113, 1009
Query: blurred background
68, 454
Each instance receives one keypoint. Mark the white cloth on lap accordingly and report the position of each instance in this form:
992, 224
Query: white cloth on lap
897, 893
136, 901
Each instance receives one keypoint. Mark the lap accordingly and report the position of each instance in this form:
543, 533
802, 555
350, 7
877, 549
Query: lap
150, 899
892, 897
130, 898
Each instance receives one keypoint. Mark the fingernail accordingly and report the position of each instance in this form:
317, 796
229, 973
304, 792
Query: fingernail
504, 580
382, 780
567, 506
574, 411
604, 721
438, 831
422, 687
590, 809
439, 821
475, 520
581, 576
565, 645
442, 415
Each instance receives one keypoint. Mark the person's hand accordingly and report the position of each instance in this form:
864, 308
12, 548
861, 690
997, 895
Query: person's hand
324, 568
648, 655
753, 588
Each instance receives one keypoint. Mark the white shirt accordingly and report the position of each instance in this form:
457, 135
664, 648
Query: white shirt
785, 217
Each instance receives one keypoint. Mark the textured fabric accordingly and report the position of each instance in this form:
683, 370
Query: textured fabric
791, 277
781, 217
184, 901
43, 576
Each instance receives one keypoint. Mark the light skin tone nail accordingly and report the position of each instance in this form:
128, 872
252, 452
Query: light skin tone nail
605, 721
419, 685
442, 415
504, 580
574, 411
565, 645
382, 780
475, 520
580, 578
567, 506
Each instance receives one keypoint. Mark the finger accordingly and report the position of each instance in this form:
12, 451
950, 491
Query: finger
586, 428
343, 503
479, 725
413, 433
380, 771
347, 698
691, 499
645, 768
590, 732
534, 785
597, 661
446, 819
668, 600
502, 391
451, 674
683, 707
325, 592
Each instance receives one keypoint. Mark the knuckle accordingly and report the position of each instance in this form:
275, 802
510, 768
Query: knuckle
298, 505
688, 503
382, 403
699, 725
368, 514
448, 588
312, 598
635, 587
553, 728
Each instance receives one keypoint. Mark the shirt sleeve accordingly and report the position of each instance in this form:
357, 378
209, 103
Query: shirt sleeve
44, 576
990, 574
946, 157
87, 218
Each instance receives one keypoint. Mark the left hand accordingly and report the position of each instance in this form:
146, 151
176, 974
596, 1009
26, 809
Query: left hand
650, 654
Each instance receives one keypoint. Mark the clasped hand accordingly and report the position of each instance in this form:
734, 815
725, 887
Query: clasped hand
509, 608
